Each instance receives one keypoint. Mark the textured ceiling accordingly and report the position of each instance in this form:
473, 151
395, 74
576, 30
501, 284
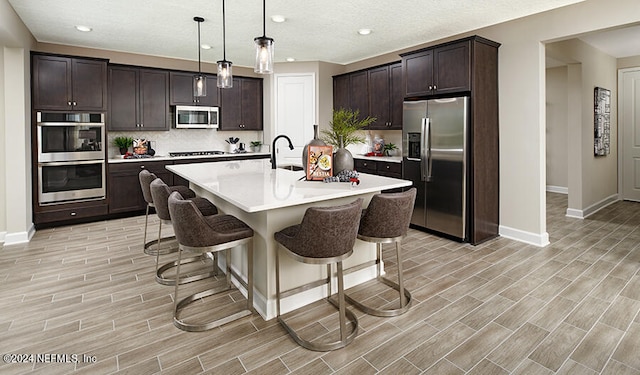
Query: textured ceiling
315, 30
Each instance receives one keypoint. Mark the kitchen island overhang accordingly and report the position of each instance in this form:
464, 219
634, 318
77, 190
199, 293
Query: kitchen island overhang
269, 200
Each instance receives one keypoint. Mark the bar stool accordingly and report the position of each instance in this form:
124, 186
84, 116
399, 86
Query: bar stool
326, 235
160, 193
145, 178
386, 220
200, 234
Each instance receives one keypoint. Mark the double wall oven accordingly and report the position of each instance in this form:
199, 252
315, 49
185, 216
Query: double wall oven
71, 157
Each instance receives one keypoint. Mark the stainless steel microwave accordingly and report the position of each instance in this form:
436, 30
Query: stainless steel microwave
196, 117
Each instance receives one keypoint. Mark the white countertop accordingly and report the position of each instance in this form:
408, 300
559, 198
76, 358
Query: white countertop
253, 186
167, 157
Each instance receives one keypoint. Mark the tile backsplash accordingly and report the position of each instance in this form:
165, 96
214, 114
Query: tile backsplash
164, 142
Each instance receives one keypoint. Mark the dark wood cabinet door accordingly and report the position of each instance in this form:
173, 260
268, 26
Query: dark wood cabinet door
181, 90
341, 92
452, 71
89, 85
251, 93
231, 106
123, 99
154, 99
51, 82
418, 73
379, 97
359, 93
124, 191
396, 96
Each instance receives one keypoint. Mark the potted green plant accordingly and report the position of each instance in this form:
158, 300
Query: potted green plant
345, 125
256, 146
344, 131
389, 149
123, 144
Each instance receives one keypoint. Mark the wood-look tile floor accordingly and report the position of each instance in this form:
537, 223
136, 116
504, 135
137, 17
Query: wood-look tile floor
503, 307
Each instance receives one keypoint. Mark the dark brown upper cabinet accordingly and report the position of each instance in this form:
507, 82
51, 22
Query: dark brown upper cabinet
66, 83
181, 92
241, 105
385, 97
138, 99
439, 70
375, 92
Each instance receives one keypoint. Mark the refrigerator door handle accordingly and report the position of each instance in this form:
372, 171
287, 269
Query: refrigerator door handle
423, 148
427, 167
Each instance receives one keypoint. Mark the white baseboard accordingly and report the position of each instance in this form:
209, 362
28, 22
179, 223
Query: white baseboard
557, 189
583, 214
17, 237
540, 240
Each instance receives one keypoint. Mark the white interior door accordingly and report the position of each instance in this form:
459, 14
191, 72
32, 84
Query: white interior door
295, 112
630, 133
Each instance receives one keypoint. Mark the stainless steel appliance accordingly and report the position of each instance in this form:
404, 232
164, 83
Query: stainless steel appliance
196, 117
71, 157
61, 182
195, 153
70, 136
434, 158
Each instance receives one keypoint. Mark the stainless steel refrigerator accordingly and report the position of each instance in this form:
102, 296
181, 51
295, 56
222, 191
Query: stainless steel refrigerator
434, 134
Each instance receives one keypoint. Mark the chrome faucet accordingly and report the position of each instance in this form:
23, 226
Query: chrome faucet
273, 149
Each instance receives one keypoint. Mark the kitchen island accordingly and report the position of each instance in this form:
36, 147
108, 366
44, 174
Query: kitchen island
269, 200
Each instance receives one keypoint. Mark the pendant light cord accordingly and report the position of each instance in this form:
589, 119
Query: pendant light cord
199, 63
224, 38
264, 18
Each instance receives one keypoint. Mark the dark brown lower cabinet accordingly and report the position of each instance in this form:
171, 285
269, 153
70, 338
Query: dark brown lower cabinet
380, 168
123, 187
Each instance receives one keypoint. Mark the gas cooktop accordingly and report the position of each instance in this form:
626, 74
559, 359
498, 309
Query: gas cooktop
195, 153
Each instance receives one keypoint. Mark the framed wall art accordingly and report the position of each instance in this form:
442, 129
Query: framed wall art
602, 121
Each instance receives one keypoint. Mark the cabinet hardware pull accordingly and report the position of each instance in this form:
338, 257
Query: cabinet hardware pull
75, 103
68, 103
142, 167
73, 214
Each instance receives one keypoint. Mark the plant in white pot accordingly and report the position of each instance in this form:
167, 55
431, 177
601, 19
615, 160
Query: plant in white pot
344, 131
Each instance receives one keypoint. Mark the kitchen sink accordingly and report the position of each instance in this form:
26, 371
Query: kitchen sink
291, 167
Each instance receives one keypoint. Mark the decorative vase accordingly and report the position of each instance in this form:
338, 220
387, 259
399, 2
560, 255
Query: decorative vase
314, 142
123, 150
342, 159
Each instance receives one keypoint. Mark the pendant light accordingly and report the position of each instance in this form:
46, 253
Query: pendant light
225, 73
264, 47
199, 81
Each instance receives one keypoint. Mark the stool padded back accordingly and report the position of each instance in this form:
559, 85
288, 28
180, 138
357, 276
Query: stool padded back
388, 215
160, 193
146, 178
194, 229
325, 232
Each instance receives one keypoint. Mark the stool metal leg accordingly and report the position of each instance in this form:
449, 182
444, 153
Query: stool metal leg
341, 303
180, 304
404, 295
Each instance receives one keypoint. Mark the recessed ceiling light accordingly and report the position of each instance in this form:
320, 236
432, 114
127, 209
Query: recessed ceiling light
83, 28
278, 18
290, 59
205, 46
364, 31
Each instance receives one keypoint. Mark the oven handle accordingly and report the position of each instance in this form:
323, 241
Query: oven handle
63, 163
74, 124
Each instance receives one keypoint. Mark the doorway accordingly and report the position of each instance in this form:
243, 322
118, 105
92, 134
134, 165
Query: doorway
629, 137
295, 112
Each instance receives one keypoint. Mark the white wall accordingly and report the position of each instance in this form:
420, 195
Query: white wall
556, 129
594, 180
15, 159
